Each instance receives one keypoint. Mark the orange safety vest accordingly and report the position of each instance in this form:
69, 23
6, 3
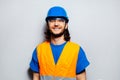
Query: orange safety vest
65, 68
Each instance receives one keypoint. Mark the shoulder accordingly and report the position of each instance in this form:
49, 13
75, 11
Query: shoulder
43, 43
73, 43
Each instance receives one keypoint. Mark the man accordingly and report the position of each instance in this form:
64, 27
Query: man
58, 58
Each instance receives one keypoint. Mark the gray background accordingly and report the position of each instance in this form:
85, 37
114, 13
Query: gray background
94, 24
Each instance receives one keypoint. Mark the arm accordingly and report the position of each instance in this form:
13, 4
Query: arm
81, 76
36, 76
82, 63
34, 66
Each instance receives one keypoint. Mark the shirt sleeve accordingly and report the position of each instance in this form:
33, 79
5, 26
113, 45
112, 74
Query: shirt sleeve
34, 62
82, 62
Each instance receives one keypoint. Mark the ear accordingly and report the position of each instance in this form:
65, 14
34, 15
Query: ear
66, 25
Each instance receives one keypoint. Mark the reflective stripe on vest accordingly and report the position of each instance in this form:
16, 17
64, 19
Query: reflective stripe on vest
55, 78
66, 65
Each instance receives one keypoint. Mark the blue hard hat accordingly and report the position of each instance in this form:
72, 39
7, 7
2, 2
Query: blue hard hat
56, 12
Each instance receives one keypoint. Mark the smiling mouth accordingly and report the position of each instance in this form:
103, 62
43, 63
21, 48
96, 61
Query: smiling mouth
56, 29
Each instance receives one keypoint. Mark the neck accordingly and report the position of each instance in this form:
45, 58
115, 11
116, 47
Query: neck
58, 40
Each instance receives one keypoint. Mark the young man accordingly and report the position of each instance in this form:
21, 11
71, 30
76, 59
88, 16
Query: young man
58, 58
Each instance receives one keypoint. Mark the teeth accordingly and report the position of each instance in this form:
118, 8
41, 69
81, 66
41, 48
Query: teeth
56, 28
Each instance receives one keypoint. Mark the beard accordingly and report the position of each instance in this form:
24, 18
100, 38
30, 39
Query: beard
57, 35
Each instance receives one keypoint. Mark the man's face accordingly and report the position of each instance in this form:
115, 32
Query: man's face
57, 26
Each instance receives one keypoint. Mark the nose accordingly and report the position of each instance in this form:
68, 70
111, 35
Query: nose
56, 23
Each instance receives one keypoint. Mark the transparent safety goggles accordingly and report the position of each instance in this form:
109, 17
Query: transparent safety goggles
56, 19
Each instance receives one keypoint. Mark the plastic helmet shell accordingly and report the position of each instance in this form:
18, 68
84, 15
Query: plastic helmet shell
57, 11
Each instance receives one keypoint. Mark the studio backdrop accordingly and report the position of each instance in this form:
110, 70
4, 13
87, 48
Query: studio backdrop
94, 25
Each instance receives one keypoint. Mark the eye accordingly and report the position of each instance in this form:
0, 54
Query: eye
51, 20
61, 20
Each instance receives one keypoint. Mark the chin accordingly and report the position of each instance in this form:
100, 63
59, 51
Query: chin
56, 33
